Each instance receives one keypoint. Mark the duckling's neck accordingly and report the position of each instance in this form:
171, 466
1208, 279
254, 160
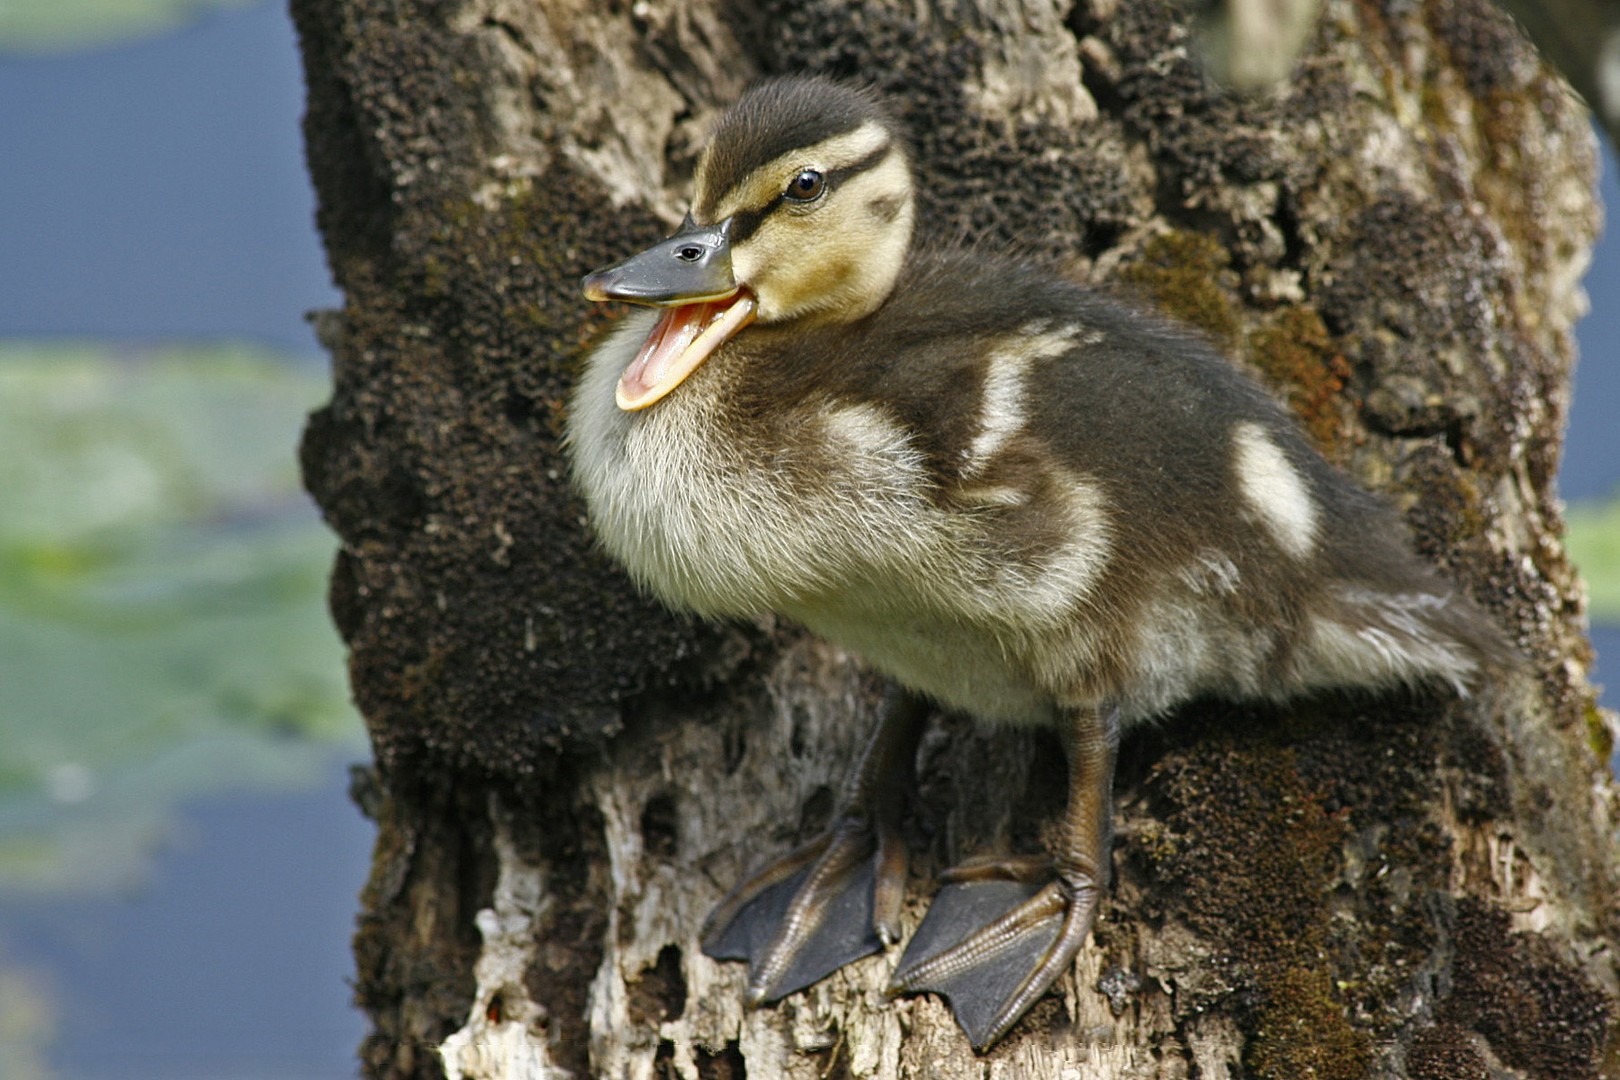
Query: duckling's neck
724, 507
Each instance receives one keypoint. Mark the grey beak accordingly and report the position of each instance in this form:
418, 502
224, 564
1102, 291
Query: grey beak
692, 265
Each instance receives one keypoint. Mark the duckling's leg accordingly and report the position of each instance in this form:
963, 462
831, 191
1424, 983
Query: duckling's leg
837, 898
1002, 929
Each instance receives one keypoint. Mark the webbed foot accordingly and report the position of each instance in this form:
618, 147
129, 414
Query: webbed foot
837, 898
833, 901
1003, 928
994, 940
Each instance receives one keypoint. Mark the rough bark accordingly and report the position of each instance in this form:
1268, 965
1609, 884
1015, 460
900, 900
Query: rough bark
567, 777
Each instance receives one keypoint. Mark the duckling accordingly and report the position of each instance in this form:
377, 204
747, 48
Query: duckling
1015, 496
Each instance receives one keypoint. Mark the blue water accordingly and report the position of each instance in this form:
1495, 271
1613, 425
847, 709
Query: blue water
1591, 466
231, 963
158, 190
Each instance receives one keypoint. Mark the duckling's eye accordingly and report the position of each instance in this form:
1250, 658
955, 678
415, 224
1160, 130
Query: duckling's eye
807, 186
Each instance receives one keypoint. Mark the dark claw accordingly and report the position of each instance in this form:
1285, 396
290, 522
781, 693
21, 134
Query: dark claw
798, 930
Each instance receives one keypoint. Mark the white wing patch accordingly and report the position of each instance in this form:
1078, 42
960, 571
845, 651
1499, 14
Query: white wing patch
872, 433
1001, 414
1275, 492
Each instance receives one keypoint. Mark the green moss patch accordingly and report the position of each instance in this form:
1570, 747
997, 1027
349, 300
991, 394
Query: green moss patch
1181, 272
1593, 542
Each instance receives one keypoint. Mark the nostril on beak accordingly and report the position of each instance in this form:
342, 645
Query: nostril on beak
689, 253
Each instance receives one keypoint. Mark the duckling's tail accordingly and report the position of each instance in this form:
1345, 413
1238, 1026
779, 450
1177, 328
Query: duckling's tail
1374, 638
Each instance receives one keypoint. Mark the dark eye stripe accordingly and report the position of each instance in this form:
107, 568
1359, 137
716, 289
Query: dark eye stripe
870, 161
744, 223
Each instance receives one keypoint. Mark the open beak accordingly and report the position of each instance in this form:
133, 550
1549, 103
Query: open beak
689, 276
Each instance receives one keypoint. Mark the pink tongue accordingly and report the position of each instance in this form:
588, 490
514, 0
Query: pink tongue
676, 328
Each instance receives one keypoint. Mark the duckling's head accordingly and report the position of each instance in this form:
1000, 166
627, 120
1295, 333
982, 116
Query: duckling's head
813, 177
802, 213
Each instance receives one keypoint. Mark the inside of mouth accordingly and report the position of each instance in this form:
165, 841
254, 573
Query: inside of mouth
681, 339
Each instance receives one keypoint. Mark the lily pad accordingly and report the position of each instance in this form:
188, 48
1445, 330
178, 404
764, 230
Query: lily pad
1593, 541
58, 26
163, 630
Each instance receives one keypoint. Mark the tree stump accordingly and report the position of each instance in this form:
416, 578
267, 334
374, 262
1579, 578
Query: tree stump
567, 777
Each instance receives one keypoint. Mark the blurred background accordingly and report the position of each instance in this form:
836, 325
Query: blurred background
178, 857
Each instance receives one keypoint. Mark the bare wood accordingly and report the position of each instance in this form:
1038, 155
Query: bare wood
568, 778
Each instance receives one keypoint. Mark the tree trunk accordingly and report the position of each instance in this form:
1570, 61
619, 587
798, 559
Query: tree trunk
567, 777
